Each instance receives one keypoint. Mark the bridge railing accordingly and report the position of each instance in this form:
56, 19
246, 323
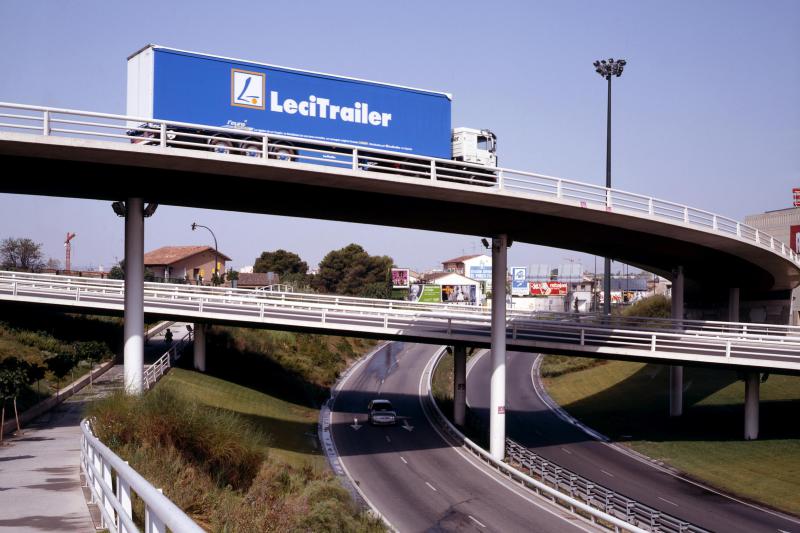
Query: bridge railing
773, 351
113, 484
282, 149
161, 366
684, 327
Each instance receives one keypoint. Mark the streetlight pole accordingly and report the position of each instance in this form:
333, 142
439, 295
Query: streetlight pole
195, 225
607, 69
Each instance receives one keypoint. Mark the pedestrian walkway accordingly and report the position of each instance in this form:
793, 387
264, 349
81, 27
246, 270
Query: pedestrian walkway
40, 487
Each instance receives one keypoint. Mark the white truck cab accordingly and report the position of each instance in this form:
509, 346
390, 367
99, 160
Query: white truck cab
475, 146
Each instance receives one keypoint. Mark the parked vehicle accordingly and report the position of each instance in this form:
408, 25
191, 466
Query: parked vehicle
381, 412
301, 108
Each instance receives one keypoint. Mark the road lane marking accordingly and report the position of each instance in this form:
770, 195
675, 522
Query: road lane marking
388, 439
476, 521
403, 459
406, 426
566, 450
607, 473
431, 487
669, 502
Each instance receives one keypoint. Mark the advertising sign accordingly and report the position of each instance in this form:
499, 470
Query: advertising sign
480, 272
425, 293
519, 281
466, 294
794, 237
796, 197
548, 288
399, 278
245, 95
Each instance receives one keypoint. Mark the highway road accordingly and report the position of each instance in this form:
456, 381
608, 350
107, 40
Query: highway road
530, 422
417, 480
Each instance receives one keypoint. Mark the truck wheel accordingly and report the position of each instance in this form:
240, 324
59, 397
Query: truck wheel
251, 147
283, 153
220, 145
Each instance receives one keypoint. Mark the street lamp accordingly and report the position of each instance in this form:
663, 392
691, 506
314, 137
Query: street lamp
195, 225
608, 69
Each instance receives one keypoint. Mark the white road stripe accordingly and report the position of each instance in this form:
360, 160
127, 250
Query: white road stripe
566, 450
431, 486
403, 459
474, 520
607, 473
388, 439
669, 502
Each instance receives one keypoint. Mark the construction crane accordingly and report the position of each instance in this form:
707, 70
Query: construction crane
68, 247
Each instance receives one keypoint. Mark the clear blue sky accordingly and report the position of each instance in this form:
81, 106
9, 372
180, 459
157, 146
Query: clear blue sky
707, 112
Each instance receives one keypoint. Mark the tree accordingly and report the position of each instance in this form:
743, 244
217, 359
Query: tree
21, 254
60, 365
281, 262
118, 272
92, 351
352, 271
13, 379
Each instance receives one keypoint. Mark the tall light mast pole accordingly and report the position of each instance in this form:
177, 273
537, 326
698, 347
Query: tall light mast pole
607, 69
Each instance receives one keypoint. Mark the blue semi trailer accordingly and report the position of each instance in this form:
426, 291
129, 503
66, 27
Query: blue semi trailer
245, 96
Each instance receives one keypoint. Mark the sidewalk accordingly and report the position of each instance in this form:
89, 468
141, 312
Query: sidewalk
40, 488
40, 484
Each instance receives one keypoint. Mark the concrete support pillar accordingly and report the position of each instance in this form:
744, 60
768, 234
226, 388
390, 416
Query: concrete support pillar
607, 286
733, 304
497, 404
676, 372
200, 347
751, 391
459, 384
134, 296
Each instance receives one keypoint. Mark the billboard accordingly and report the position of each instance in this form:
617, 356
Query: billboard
244, 95
480, 272
794, 237
548, 288
400, 278
424, 293
466, 294
519, 281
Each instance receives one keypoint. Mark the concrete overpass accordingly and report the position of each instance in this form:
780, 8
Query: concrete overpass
89, 155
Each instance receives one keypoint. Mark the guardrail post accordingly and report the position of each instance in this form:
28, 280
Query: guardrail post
46, 123
14, 285
714, 223
264, 146
433, 170
653, 343
77, 294
107, 480
559, 193
609, 204
650, 209
686, 215
152, 523
124, 497
583, 336
500, 179
738, 230
771, 242
324, 312
355, 158
163, 135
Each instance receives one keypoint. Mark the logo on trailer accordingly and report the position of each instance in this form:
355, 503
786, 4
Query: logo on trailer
247, 89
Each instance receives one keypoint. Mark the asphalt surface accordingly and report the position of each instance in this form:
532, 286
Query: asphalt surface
414, 478
530, 422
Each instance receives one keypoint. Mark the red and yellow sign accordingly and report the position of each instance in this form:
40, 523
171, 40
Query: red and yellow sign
548, 288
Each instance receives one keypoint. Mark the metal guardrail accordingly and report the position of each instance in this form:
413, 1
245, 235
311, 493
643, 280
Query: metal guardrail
258, 147
155, 371
572, 503
445, 326
755, 331
113, 483
596, 495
